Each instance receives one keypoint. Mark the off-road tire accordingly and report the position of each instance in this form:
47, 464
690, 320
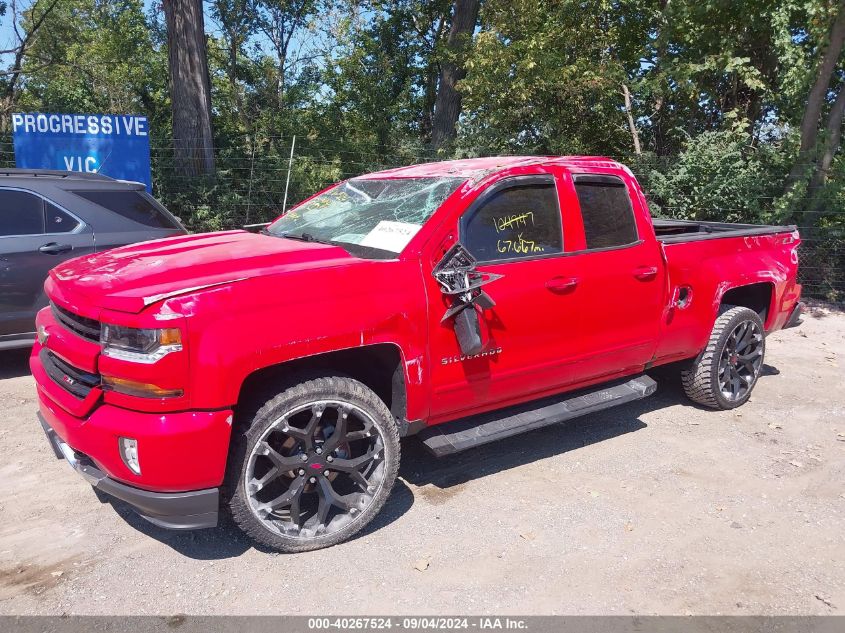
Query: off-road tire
255, 420
701, 378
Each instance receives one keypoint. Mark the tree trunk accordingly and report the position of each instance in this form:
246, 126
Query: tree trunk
190, 90
816, 100
833, 138
429, 97
430, 78
659, 129
631, 124
447, 106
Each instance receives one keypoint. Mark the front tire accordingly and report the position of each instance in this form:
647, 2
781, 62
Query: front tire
725, 373
313, 465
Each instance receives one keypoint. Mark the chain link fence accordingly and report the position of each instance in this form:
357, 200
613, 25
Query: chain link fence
252, 177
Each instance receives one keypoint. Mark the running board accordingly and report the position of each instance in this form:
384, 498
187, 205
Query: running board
460, 435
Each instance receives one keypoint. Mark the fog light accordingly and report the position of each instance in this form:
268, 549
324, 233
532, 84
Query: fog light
129, 453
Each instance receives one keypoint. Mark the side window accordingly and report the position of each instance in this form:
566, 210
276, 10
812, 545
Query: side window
606, 211
129, 204
21, 213
56, 220
519, 222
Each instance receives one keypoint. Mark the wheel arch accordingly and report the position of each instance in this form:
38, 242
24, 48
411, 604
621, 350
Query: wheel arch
758, 296
379, 366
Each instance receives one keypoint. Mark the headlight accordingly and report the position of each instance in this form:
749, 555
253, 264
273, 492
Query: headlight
139, 345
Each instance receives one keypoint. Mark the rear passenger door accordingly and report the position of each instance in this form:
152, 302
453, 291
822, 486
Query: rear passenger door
621, 278
35, 236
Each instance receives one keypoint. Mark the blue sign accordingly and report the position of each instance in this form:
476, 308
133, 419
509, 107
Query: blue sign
117, 145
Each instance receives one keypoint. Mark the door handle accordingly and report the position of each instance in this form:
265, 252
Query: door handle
53, 248
559, 285
645, 273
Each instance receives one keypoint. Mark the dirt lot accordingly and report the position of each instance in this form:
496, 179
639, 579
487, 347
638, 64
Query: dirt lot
656, 507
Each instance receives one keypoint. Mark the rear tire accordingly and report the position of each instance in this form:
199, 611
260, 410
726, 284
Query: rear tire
725, 373
313, 465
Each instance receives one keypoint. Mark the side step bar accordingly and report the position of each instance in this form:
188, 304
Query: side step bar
460, 435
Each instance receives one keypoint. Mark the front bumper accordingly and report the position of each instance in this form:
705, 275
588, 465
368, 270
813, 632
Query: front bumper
178, 451
175, 510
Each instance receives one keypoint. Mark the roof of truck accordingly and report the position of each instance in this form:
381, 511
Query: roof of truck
475, 167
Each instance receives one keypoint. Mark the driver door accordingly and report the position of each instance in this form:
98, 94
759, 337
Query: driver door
513, 229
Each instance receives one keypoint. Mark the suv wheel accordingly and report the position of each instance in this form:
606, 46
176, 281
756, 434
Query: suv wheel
314, 465
724, 374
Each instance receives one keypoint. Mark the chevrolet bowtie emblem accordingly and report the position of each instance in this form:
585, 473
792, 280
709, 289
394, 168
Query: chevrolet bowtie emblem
43, 335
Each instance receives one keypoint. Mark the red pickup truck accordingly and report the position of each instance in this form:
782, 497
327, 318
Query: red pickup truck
273, 374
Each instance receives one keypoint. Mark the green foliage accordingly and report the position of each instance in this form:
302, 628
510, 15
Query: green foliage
96, 57
546, 78
721, 176
717, 91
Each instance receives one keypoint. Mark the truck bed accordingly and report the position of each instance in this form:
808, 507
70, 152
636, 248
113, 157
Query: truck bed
676, 231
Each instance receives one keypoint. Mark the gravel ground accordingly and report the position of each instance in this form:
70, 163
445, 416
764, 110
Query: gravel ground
655, 507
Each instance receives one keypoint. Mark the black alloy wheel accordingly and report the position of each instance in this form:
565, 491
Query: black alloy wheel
741, 360
723, 375
313, 465
315, 469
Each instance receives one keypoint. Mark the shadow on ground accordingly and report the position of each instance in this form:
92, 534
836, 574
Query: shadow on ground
768, 370
227, 541
419, 468
14, 363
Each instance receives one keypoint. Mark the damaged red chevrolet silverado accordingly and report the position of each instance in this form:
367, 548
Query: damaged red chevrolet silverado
273, 374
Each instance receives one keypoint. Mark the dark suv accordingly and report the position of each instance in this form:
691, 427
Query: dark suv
49, 216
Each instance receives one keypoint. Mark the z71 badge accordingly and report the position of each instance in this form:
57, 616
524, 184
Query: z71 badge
448, 360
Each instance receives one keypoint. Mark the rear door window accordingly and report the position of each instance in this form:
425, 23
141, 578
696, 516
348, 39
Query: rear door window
58, 221
519, 222
606, 211
21, 213
132, 205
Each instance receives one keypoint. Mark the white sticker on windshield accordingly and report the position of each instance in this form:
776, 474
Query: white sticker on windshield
391, 236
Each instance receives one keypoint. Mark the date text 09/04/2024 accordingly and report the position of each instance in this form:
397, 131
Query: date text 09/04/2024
424, 623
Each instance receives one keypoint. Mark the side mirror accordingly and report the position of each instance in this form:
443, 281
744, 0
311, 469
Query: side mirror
457, 275
468, 331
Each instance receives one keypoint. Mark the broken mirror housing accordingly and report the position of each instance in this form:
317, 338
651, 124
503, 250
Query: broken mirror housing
459, 279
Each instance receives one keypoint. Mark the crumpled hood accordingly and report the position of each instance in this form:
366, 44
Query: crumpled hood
131, 277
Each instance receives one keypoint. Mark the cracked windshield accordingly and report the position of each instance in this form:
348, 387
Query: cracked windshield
367, 213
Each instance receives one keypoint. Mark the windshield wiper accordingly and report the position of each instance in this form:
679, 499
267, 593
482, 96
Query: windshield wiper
305, 237
308, 237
